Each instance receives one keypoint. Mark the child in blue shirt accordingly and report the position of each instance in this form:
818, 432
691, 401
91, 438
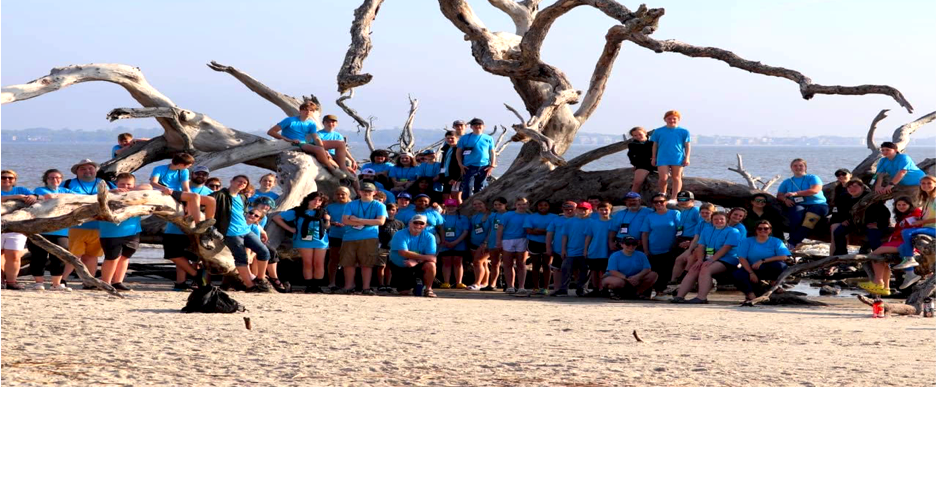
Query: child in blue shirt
120, 240
671, 146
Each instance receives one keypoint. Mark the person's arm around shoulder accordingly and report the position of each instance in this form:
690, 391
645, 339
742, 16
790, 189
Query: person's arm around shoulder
277, 219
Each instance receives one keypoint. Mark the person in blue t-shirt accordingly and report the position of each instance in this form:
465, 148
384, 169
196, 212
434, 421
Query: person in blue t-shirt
308, 223
14, 244
536, 225
671, 146
379, 162
596, 246
477, 239
686, 259
404, 173
495, 223
413, 251
428, 167
573, 251
84, 240
301, 131
629, 274
335, 211
362, 217
173, 180
453, 244
232, 223
627, 222
120, 240
267, 183
328, 133
717, 254
124, 141
554, 233
39, 257
762, 257
476, 158
898, 167
735, 218
801, 196
658, 233
512, 241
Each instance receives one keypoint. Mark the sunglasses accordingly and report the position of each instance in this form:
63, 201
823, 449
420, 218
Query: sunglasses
841, 175
418, 223
7, 177
253, 215
764, 228
214, 186
659, 202
760, 201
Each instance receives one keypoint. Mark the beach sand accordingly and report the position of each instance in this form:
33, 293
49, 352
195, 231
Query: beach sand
459, 339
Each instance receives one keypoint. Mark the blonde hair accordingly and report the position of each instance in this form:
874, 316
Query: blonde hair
799, 160
268, 175
707, 206
11, 172
924, 196
636, 128
672, 112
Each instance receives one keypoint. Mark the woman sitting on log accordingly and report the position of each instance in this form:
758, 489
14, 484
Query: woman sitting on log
238, 237
736, 220
876, 219
926, 225
805, 204
717, 253
761, 209
685, 260
762, 257
907, 215
404, 172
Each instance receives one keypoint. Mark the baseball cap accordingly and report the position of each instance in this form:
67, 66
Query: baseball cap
841, 172
368, 172
418, 218
458, 122
685, 196
330, 117
201, 168
569, 204
423, 196
632, 195
476, 121
404, 196
451, 202
427, 151
368, 186
584, 204
630, 240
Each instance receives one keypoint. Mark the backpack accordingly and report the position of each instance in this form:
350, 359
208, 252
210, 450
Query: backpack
211, 300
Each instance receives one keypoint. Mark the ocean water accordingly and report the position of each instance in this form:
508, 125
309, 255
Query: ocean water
30, 160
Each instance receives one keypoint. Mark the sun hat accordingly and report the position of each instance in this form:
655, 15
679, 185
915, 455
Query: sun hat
75, 167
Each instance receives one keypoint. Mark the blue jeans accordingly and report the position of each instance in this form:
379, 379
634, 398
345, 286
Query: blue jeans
479, 174
840, 236
797, 214
767, 271
906, 249
571, 264
239, 245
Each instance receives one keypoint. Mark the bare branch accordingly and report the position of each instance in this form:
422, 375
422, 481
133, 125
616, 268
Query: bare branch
598, 153
361, 123
103, 211
138, 155
71, 259
547, 145
128, 77
902, 135
407, 139
766, 185
289, 104
521, 14
874, 122
350, 75
745, 174
807, 88
173, 116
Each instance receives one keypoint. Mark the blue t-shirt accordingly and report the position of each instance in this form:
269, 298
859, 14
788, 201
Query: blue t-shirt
690, 222
754, 251
628, 265
495, 222
265, 194
535, 220
403, 240
741, 228
794, 184
598, 231
404, 174
480, 226
126, 228
314, 239
172, 179
628, 223
336, 211
430, 169
901, 162
557, 227
202, 190
367, 211
295, 129
476, 149
391, 198
513, 225
378, 168
713, 239
15, 190
330, 136
452, 228
238, 226
671, 145
45, 190
575, 230
114, 151
662, 230
77, 186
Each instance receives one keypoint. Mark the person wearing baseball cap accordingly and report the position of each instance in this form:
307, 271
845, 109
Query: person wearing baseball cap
84, 240
573, 251
629, 274
362, 217
328, 133
413, 252
200, 175
476, 158
898, 167
453, 244
554, 234
627, 222
370, 175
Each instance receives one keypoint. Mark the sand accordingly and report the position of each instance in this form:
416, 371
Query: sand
459, 339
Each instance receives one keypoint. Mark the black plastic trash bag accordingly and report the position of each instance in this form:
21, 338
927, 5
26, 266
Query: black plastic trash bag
211, 300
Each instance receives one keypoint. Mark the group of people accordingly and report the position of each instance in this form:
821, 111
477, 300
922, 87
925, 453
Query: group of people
406, 225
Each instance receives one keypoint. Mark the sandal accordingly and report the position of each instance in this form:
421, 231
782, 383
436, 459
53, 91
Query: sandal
430, 294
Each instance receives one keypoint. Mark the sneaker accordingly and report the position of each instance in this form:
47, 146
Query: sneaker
445, 286
542, 291
313, 289
677, 300
560, 293
593, 294
328, 289
579, 292
910, 278
474, 288
121, 287
264, 286
908, 262
345, 291
487, 289
510, 291
460, 286
368, 291
697, 301
382, 289
523, 291
15, 286
60, 288
39, 287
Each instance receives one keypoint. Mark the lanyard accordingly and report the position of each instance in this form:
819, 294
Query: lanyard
364, 214
727, 229
799, 187
83, 189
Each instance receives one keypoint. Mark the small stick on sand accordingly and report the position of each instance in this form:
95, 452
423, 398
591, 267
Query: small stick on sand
247, 322
637, 337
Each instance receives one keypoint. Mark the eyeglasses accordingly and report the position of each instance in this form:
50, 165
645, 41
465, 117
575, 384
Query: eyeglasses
214, 186
659, 201
764, 228
418, 223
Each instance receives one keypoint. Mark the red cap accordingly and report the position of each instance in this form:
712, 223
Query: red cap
584, 204
450, 202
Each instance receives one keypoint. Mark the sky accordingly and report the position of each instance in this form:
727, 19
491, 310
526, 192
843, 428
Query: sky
297, 48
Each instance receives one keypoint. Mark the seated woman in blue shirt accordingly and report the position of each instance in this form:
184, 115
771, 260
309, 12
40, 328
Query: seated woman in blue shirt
803, 201
717, 253
762, 257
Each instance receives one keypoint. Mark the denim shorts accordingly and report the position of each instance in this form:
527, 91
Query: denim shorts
239, 244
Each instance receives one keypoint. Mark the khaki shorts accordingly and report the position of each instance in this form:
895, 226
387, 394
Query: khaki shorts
383, 255
358, 252
85, 242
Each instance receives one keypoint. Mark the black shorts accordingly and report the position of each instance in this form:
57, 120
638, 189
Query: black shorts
114, 247
447, 188
177, 245
274, 256
177, 195
645, 166
334, 243
536, 248
599, 264
404, 279
556, 261
452, 253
